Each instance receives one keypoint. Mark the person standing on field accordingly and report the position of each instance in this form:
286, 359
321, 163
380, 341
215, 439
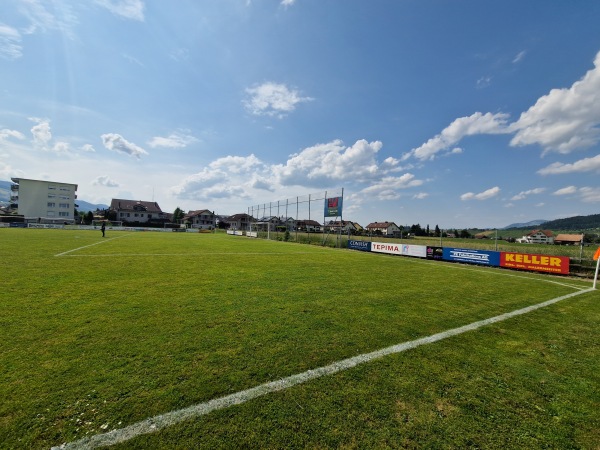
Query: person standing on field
103, 228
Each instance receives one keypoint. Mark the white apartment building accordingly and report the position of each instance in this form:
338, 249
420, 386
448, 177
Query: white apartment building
44, 200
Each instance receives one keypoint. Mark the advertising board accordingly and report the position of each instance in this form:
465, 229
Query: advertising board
536, 263
435, 252
392, 248
363, 246
486, 258
418, 251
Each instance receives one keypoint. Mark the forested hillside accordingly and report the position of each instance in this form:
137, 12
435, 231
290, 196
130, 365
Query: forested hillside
577, 223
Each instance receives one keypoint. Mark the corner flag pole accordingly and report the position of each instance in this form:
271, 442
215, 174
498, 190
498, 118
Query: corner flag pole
597, 258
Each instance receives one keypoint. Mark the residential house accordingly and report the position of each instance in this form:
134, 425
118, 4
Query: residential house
202, 219
44, 201
384, 228
568, 239
267, 223
136, 211
538, 237
309, 226
240, 222
343, 226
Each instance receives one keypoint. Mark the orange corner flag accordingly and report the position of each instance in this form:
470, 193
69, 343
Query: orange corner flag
597, 254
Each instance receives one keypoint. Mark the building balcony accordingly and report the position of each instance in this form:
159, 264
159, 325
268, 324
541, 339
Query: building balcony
14, 198
14, 187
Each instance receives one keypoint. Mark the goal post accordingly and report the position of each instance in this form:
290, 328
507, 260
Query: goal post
109, 223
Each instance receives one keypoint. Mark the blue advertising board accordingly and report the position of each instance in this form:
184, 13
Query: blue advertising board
467, 255
364, 246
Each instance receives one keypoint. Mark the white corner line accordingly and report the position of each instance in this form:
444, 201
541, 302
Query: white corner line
91, 245
162, 421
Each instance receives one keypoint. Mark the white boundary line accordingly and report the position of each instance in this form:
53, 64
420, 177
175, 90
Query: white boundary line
91, 245
162, 421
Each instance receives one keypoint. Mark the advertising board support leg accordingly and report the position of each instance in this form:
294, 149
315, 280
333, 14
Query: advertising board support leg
596, 274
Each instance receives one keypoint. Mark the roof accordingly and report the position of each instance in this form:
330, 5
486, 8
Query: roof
309, 222
547, 233
239, 216
381, 225
198, 212
569, 237
119, 204
18, 180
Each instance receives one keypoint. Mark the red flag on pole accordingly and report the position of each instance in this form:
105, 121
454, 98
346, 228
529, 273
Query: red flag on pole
597, 254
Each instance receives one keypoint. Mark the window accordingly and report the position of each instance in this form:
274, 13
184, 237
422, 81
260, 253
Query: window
51, 188
63, 205
63, 214
51, 205
50, 214
128, 215
64, 197
136, 214
142, 215
122, 214
64, 188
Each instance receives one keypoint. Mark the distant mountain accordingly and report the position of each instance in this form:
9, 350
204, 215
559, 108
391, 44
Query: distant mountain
82, 204
5, 191
533, 223
86, 206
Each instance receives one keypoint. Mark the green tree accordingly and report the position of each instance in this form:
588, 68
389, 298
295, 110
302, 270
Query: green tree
89, 218
436, 233
177, 215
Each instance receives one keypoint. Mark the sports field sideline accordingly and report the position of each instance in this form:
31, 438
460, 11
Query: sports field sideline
104, 334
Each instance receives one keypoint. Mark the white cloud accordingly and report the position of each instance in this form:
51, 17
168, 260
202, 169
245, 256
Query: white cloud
485, 195
227, 177
566, 191
118, 143
388, 187
7, 171
88, 148
236, 164
420, 196
565, 119
583, 165
590, 195
128, 9
273, 99
477, 123
10, 42
484, 82
324, 163
179, 139
41, 132
523, 194
287, 3
519, 57
105, 180
586, 194
61, 147
6, 133
321, 165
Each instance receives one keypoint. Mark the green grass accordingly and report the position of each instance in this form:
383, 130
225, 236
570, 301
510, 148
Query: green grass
124, 329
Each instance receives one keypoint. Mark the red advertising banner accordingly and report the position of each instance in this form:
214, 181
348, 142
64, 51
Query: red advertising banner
537, 263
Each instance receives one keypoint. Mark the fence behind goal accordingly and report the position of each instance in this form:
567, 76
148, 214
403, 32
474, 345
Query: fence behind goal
301, 219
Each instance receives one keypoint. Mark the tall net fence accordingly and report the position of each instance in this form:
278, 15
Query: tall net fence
301, 219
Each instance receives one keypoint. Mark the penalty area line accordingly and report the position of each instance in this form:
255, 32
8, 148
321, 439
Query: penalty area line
91, 245
156, 423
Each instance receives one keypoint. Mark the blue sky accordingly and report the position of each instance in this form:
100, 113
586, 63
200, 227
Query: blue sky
451, 113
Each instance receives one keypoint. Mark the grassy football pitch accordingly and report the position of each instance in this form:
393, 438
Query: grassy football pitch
98, 335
